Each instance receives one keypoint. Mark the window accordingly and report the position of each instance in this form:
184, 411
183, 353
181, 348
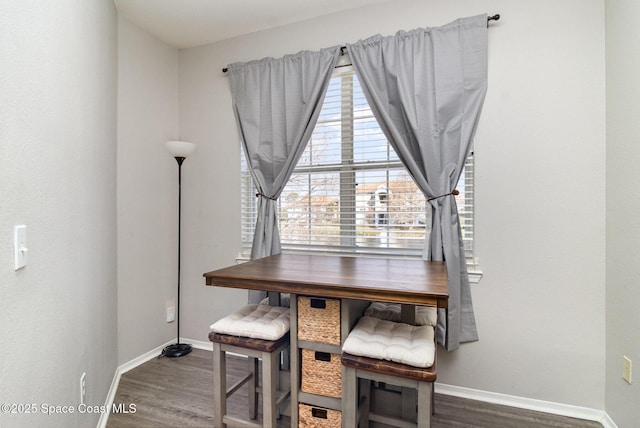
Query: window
349, 193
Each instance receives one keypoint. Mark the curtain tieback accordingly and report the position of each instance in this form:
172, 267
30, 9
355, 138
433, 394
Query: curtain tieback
454, 193
265, 196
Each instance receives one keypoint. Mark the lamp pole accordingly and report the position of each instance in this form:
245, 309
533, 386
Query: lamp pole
180, 150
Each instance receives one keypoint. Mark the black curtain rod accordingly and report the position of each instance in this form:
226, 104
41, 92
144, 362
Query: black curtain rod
495, 17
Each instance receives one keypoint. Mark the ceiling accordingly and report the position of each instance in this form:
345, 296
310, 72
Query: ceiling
189, 23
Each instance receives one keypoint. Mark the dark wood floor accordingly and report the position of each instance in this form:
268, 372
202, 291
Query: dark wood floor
178, 392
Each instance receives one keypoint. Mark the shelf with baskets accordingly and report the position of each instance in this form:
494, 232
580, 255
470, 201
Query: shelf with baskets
322, 325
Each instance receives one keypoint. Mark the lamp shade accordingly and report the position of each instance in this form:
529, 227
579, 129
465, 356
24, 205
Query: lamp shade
180, 149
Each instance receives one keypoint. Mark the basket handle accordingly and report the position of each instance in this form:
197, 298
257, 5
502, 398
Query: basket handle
318, 413
318, 303
323, 356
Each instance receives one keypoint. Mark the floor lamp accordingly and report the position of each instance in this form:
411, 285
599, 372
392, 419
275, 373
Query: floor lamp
180, 150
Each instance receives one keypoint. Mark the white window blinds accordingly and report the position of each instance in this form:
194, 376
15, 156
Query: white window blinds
349, 192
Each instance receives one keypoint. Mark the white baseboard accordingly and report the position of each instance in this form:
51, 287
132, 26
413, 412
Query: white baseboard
104, 417
206, 346
585, 413
607, 422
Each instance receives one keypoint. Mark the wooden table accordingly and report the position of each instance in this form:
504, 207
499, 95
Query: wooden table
415, 282
354, 280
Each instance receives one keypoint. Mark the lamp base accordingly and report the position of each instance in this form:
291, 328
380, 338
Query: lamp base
176, 350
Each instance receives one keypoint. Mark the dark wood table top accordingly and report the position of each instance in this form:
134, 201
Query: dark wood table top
388, 280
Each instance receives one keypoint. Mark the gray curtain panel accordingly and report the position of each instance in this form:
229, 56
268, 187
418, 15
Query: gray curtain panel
426, 88
276, 104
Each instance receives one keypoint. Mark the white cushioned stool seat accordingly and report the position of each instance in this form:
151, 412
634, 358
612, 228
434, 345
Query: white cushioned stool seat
392, 341
425, 315
255, 321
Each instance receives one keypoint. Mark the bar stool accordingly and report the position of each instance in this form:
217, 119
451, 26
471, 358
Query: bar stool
390, 352
259, 332
422, 315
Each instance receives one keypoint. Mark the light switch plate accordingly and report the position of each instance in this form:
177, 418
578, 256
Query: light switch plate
20, 246
171, 314
626, 368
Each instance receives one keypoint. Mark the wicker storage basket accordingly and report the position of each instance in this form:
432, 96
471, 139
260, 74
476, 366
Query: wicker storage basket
318, 417
321, 373
319, 320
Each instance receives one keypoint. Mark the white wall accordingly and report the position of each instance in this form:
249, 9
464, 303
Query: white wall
540, 153
147, 190
623, 204
58, 177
